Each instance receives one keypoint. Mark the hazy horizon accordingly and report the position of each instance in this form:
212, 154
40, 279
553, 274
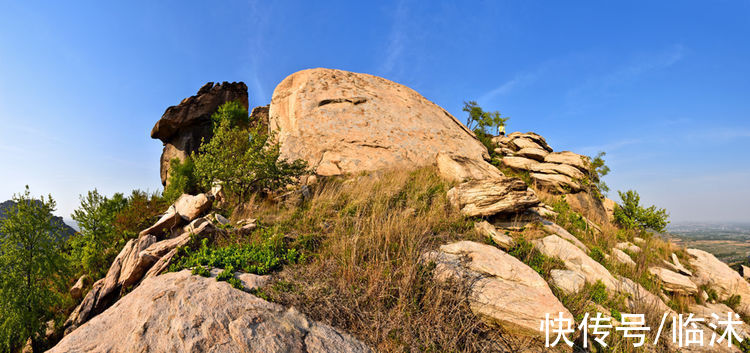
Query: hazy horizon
661, 87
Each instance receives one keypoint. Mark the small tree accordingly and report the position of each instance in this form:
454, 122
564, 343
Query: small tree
484, 124
244, 161
597, 170
630, 214
97, 242
479, 120
30, 262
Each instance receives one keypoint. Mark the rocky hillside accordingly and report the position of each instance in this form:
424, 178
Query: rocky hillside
407, 234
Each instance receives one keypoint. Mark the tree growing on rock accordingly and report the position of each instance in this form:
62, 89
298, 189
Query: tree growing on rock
631, 215
484, 124
30, 262
245, 160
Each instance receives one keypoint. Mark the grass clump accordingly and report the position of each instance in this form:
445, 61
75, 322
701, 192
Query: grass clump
528, 254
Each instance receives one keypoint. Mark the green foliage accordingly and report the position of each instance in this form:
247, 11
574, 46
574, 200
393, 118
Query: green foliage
631, 215
484, 124
733, 301
182, 179
258, 257
244, 161
597, 170
233, 113
141, 211
98, 241
597, 254
599, 293
31, 262
615, 314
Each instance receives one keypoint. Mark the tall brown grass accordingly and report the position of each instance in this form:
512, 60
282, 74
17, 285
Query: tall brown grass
364, 237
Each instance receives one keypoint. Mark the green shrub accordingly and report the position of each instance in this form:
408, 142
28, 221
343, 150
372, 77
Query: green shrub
244, 161
484, 124
597, 254
527, 253
631, 215
258, 257
599, 293
233, 113
182, 179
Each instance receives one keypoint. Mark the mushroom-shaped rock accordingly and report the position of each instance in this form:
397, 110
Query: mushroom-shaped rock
504, 290
344, 122
179, 312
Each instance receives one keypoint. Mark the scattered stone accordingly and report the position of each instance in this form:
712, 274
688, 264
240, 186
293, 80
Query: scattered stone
179, 312
488, 230
576, 260
676, 266
344, 123
674, 282
628, 246
492, 196
623, 258
711, 272
191, 207
221, 219
562, 233
77, 290
504, 290
458, 168
570, 282
170, 220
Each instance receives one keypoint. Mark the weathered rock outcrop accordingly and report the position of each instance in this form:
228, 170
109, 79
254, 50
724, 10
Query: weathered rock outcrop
719, 276
674, 282
344, 122
182, 126
503, 290
179, 312
457, 168
145, 257
492, 196
576, 260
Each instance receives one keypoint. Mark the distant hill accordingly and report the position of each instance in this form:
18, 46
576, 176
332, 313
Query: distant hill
67, 230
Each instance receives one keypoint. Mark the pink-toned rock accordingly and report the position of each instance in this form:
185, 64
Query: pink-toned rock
566, 157
556, 183
170, 220
136, 263
191, 207
554, 168
519, 163
344, 122
536, 154
76, 292
459, 169
179, 312
492, 196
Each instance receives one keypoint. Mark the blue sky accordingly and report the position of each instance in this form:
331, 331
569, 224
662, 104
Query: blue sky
661, 86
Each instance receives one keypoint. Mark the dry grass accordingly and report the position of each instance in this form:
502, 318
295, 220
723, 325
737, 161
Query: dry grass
364, 237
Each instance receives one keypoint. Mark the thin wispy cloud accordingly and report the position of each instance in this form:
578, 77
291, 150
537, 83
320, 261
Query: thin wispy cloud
608, 148
258, 20
520, 80
397, 38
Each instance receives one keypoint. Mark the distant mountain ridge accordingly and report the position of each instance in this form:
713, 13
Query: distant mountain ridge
6, 206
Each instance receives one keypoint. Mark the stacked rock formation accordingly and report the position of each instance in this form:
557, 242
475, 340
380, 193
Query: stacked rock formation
184, 126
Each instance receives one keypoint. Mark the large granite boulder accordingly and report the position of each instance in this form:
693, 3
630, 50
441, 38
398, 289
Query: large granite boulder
576, 260
179, 312
503, 290
344, 122
711, 272
673, 281
492, 196
182, 126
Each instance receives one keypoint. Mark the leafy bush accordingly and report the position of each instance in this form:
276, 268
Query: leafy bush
484, 124
143, 209
258, 258
182, 179
599, 293
527, 253
597, 170
233, 113
31, 263
631, 215
244, 161
597, 254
